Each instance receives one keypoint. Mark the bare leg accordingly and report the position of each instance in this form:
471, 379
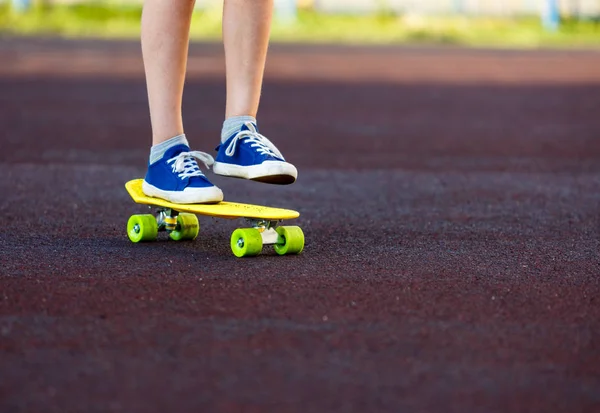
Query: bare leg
248, 155
246, 30
165, 39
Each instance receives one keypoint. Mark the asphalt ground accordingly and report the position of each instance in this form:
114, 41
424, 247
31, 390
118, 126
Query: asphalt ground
450, 200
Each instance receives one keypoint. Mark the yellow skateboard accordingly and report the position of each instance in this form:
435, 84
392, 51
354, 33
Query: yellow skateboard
181, 222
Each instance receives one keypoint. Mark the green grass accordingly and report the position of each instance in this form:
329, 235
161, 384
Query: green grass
111, 21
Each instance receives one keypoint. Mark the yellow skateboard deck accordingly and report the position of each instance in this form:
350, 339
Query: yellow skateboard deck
181, 223
229, 210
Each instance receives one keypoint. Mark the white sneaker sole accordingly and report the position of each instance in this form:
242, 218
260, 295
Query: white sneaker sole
209, 195
273, 172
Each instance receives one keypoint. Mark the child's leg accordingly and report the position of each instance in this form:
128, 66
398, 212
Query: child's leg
173, 172
244, 153
246, 29
165, 37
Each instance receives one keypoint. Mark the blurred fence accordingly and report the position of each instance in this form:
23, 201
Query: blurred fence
570, 8
506, 8
550, 11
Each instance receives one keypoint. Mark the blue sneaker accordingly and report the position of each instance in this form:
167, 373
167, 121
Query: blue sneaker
248, 154
177, 178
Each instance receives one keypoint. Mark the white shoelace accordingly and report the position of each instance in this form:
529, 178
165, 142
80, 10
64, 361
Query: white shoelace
256, 140
185, 164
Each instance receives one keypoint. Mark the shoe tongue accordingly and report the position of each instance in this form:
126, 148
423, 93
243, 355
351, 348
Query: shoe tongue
176, 150
245, 127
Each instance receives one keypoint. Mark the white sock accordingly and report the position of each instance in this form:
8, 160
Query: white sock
158, 151
234, 124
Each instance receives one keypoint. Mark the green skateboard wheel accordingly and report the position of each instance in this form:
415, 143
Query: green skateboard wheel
293, 240
142, 228
187, 228
246, 242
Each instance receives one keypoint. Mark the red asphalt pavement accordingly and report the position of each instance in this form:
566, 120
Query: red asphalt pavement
450, 200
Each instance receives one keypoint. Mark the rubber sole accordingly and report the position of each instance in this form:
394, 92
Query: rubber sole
278, 173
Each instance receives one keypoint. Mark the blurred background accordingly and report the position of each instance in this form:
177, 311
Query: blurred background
514, 23
450, 198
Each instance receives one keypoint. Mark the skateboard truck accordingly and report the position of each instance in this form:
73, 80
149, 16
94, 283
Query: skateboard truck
267, 231
166, 218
